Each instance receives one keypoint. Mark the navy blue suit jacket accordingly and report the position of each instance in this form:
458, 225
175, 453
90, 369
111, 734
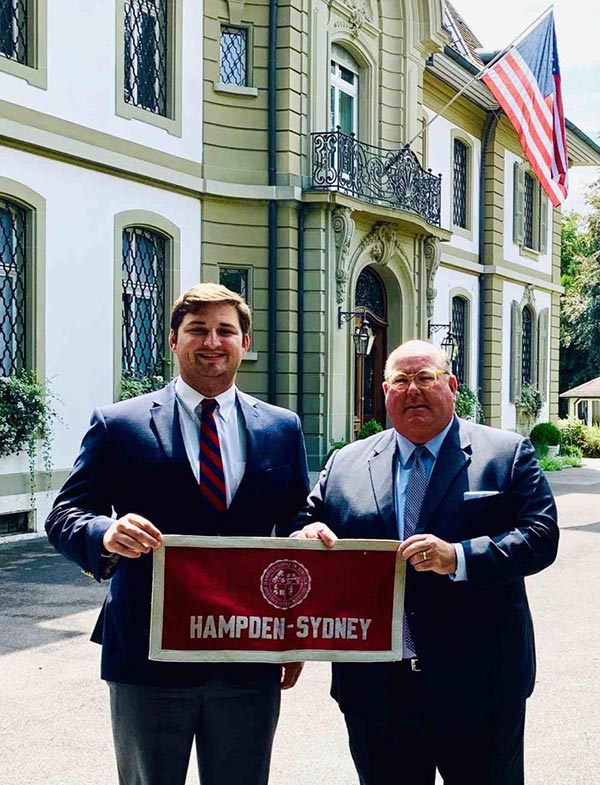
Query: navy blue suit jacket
474, 638
133, 460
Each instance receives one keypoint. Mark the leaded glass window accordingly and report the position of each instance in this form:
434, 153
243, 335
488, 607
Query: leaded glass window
235, 279
146, 54
529, 211
143, 302
13, 228
526, 354
13, 30
459, 204
234, 56
370, 293
459, 329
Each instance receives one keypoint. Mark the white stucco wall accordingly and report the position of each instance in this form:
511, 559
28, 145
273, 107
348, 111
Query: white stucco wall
439, 160
82, 76
79, 336
450, 283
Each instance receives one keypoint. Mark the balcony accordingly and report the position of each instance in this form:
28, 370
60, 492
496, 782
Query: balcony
393, 178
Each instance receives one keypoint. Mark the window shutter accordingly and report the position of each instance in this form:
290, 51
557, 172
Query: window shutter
542, 353
519, 204
516, 344
543, 222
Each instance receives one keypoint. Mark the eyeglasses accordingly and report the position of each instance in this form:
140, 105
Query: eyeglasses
424, 379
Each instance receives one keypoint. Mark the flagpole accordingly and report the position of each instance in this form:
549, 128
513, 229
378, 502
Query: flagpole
480, 73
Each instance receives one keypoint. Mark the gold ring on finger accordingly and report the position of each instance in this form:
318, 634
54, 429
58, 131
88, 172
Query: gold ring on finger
424, 555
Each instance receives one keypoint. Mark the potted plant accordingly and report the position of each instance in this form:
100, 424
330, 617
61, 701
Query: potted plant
467, 404
530, 402
25, 416
546, 435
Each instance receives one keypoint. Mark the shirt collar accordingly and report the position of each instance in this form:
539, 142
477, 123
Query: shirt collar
406, 447
190, 398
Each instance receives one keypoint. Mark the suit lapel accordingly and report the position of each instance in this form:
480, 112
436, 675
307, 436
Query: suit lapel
381, 469
255, 448
165, 419
453, 458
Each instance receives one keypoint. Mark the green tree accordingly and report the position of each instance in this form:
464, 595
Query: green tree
575, 244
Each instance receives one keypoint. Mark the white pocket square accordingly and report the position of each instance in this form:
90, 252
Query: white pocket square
480, 494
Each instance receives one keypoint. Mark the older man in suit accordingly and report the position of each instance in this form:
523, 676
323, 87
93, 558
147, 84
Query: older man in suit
475, 516
197, 457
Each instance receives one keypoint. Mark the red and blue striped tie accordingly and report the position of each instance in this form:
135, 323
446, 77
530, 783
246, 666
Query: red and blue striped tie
212, 477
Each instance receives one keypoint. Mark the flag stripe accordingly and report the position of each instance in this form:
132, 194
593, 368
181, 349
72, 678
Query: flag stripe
526, 83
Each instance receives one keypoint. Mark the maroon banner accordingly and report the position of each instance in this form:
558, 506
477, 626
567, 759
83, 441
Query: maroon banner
276, 600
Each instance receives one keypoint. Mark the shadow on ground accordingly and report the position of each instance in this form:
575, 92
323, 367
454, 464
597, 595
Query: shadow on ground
40, 592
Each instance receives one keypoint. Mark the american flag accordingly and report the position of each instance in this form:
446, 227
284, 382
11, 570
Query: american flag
526, 83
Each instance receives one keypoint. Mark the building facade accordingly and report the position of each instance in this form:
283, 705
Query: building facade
290, 150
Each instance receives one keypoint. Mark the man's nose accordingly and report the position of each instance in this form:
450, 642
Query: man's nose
413, 387
212, 338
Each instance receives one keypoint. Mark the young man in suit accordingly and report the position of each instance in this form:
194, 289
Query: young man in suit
138, 476
475, 516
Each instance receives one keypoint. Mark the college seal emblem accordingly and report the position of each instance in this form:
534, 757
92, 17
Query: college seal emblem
285, 583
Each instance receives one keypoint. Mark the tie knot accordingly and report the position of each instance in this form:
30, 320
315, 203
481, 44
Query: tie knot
208, 406
420, 452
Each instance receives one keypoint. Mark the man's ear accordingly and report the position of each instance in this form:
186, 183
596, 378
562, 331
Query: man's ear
453, 382
172, 340
246, 342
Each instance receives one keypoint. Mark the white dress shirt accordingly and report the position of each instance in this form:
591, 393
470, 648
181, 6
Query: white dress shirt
230, 427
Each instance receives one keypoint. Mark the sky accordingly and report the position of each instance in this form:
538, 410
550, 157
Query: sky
577, 32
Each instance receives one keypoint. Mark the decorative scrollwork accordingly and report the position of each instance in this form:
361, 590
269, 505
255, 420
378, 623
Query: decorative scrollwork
432, 252
343, 229
395, 178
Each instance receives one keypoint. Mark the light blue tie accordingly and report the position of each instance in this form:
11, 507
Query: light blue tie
415, 493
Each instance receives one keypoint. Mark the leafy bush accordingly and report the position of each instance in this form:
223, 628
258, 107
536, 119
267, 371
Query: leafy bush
570, 451
571, 460
25, 414
572, 434
370, 428
132, 386
467, 404
545, 433
551, 464
591, 445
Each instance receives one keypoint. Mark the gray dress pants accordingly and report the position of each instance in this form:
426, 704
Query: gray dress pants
233, 725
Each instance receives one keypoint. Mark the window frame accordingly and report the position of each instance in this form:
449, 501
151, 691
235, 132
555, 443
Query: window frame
153, 222
463, 231
539, 212
250, 355
34, 206
465, 296
35, 70
172, 120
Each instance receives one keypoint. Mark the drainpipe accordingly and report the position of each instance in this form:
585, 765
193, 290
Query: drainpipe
300, 349
490, 127
273, 211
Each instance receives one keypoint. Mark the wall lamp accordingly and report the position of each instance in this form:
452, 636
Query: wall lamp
362, 334
449, 343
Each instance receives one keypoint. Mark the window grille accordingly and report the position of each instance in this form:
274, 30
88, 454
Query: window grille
143, 302
146, 54
459, 329
529, 211
14, 523
13, 228
234, 56
370, 293
527, 340
235, 279
13, 30
460, 184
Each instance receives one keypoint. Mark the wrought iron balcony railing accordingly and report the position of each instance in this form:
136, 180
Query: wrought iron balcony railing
394, 178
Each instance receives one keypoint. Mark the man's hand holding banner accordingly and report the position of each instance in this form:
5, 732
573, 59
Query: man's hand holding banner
224, 599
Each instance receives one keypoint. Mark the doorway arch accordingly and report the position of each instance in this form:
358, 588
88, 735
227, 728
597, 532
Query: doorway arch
369, 404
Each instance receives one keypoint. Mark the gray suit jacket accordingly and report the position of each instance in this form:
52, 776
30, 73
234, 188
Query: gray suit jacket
133, 459
474, 638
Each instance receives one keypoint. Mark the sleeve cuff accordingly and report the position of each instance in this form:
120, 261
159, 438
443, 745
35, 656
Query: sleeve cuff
461, 563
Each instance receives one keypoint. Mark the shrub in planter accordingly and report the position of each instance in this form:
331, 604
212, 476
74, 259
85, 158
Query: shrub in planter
369, 428
467, 404
545, 433
26, 415
530, 401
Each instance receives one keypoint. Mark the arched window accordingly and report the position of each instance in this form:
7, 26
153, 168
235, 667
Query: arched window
370, 293
460, 321
460, 180
143, 301
13, 266
527, 344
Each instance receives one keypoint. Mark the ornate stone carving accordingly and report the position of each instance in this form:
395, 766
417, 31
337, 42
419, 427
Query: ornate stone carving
343, 229
381, 243
432, 253
358, 11
528, 296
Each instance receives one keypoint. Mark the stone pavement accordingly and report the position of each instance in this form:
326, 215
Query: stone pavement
54, 724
